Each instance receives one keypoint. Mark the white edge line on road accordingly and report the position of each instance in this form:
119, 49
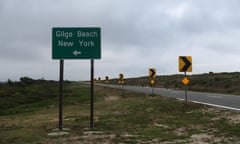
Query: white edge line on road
180, 99
214, 105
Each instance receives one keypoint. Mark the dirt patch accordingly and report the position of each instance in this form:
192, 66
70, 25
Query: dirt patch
54, 119
88, 137
112, 98
234, 119
206, 139
201, 138
126, 135
59, 133
211, 110
92, 133
161, 125
180, 131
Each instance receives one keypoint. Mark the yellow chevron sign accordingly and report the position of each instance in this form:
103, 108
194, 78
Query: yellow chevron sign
152, 73
106, 79
185, 63
121, 79
121, 76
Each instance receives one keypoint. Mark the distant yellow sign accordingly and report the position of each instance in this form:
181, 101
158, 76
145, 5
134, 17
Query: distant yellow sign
185, 81
121, 76
152, 82
106, 79
121, 79
152, 73
185, 63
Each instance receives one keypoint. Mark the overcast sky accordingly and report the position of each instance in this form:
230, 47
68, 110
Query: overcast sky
136, 35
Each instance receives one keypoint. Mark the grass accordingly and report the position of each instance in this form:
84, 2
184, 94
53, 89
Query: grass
26, 95
120, 117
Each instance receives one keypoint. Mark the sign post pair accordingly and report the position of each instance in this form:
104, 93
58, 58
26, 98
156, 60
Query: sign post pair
106, 79
76, 43
152, 75
121, 79
185, 65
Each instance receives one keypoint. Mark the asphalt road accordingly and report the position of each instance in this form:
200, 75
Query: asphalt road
217, 100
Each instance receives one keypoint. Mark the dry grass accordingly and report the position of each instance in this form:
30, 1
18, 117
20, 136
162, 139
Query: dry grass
123, 117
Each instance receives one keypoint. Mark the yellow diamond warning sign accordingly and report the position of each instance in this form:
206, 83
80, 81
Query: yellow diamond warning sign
185, 81
152, 82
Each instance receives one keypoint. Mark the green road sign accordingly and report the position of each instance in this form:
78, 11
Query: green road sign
76, 43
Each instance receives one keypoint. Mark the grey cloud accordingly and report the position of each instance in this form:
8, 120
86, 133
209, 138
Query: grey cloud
136, 34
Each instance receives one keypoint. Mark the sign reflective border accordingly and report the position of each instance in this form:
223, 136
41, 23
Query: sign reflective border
185, 64
76, 43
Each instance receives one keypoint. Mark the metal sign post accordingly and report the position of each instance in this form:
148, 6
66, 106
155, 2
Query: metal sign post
152, 82
185, 75
92, 96
60, 125
152, 76
121, 80
185, 65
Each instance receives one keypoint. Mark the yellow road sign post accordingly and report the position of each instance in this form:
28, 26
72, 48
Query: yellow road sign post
99, 79
185, 81
152, 75
185, 65
152, 82
106, 79
121, 79
95, 80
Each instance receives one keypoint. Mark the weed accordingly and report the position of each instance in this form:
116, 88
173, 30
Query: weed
131, 118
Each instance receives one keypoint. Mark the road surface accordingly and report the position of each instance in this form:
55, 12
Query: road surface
226, 101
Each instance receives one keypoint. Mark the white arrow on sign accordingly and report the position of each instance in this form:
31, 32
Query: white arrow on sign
75, 52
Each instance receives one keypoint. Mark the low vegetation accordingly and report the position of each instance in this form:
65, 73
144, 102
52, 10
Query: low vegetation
120, 116
26, 95
228, 83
